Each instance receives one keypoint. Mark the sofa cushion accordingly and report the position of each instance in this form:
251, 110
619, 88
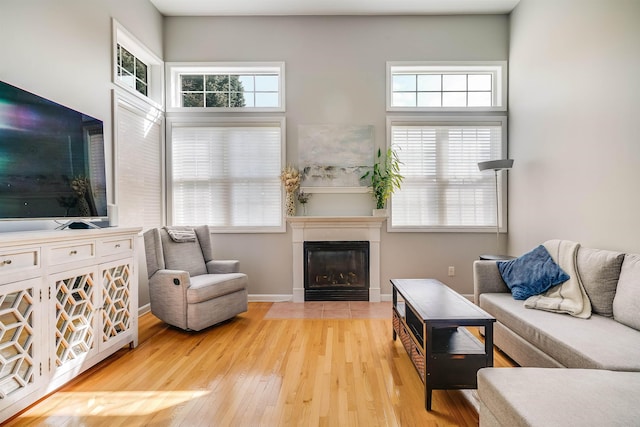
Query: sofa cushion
208, 286
599, 272
558, 397
626, 304
598, 342
531, 274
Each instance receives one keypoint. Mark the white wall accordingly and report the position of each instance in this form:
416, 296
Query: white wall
61, 50
335, 74
573, 123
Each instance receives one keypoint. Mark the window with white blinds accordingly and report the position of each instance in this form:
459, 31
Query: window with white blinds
443, 188
139, 187
227, 175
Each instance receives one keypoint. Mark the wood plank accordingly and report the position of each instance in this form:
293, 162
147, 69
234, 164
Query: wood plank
259, 372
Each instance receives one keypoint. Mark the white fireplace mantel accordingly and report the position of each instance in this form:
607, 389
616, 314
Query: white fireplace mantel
336, 228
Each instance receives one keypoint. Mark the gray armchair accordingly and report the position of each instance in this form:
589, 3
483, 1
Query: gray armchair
187, 287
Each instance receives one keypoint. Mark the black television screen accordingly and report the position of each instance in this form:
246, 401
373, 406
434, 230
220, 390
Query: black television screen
52, 162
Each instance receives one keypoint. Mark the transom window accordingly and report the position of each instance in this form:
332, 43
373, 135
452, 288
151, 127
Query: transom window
131, 70
252, 87
136, 69
427, 86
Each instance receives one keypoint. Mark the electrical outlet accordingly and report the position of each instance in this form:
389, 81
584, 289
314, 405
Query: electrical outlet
452, 271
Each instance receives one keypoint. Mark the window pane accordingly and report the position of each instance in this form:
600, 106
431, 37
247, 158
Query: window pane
404, 83
128, 79
192, 82
266, 83
141, 87
430, 99
237, 99
451, 82
248, 99
128, 61
454, 99
141, 70
247, 83
217, 99
217, 83
193, 100
430, 82
404, 99
479, 99
266, 99
480, 82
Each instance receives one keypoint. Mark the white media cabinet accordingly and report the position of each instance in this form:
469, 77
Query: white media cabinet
68, 299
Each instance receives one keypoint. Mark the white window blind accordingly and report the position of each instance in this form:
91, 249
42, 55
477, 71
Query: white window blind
442, 186
227, 175
139, 167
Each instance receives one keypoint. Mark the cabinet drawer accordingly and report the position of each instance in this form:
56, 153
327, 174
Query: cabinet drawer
116, 246
72, 253
19, 260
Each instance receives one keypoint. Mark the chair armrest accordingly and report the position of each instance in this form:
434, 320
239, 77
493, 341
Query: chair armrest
487, 279
168, 295
221, 266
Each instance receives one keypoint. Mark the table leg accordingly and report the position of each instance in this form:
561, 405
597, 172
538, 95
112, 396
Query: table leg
488, 343
427, 397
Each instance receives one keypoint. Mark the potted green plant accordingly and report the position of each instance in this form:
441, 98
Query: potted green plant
385, 177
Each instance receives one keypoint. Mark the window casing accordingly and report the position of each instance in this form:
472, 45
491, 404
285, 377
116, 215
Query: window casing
226, 173
443, 190
236, 87
434, 86
136, 69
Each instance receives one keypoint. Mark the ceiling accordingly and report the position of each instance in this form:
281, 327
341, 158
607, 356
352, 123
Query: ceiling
331, 7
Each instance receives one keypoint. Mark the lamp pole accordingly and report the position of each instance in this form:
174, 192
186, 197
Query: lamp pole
496, 165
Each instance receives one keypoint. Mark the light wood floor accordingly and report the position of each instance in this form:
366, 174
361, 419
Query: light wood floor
254, 371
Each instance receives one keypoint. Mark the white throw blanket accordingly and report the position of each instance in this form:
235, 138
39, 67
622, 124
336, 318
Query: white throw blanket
570, 296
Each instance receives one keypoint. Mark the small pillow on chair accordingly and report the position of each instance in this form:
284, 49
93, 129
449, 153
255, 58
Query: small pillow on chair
531, 274
181, 234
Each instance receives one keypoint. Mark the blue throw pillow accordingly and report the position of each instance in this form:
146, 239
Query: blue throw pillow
531, 274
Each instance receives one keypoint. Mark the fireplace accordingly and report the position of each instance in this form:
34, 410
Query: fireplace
336, 271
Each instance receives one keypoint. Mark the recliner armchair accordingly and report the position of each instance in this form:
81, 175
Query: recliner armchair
187, 287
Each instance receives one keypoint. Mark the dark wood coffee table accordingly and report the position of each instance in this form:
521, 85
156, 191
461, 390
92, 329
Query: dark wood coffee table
430, 319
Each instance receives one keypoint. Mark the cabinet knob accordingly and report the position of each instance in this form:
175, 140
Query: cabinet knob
73, 252
5, 262
117, 245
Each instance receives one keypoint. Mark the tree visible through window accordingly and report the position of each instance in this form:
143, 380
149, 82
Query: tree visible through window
212, 90
132, 71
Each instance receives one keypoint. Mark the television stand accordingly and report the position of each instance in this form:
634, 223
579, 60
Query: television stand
77, 224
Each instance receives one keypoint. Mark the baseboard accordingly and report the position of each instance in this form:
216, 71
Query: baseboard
270, 297
144, 309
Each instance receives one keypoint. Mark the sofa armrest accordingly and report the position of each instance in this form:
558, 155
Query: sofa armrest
222, 266
168, 296
487, 279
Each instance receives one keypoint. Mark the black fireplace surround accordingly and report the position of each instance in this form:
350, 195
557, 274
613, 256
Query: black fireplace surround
336, 271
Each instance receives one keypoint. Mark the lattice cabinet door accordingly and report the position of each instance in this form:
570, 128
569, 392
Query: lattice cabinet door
117, 301
75, 296
21, 347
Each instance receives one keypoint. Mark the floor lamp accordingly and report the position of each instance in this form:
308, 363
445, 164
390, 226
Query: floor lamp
496, 165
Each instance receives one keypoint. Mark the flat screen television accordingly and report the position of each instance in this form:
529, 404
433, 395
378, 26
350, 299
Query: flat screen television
52, 160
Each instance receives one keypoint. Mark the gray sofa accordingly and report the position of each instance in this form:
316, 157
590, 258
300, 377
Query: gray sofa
187, 287
608, 341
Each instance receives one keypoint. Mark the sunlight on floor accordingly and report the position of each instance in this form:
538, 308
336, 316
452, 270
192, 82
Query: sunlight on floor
112, 403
